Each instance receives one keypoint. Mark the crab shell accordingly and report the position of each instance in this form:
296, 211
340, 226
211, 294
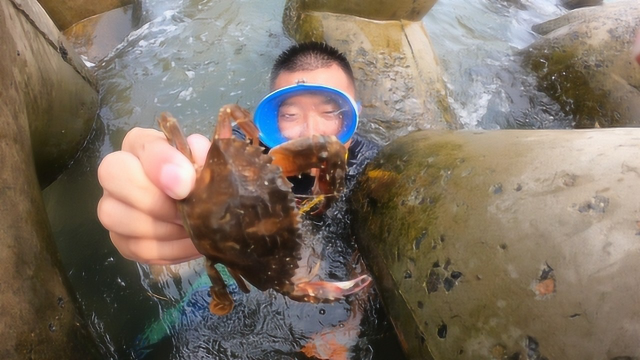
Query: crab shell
242, 214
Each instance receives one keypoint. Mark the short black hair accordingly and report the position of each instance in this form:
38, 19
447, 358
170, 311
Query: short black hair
309, 56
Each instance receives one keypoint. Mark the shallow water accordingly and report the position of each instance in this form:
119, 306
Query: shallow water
191, 58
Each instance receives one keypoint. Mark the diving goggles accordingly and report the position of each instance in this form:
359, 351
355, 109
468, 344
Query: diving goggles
284, 114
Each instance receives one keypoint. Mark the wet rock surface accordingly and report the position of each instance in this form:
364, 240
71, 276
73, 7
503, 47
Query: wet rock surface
412, 10
584, 63
65, 13
95, 37
505, 244
55, 88
43, 103
39, 318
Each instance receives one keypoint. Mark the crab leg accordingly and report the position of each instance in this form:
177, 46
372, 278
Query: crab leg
241, 117
239, 280
221, 301
324, 291
171, 129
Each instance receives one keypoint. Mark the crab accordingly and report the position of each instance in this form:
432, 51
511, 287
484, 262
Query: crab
243, 215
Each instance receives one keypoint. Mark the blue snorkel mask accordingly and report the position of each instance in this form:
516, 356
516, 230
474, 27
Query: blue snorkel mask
267, 114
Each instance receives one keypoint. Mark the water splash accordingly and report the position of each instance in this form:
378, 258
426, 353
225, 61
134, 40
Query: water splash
477, 44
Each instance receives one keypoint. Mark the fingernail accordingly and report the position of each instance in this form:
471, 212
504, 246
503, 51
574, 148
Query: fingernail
176, 181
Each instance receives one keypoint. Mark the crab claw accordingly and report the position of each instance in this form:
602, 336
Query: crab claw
324, 291
324, 153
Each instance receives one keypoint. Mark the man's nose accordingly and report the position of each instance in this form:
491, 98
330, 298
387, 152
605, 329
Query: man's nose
312, 124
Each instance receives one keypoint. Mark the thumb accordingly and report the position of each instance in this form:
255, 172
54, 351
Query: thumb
177, 177
166, 167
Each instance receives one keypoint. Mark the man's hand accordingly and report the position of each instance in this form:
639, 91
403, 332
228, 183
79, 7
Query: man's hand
141, 183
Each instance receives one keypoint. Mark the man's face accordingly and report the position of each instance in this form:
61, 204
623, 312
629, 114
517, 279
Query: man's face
313, 113
308, 114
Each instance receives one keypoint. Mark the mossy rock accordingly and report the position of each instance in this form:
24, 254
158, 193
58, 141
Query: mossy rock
506, 245
584, 63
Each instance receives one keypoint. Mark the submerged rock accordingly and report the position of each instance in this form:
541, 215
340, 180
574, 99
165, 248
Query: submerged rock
95, 37
584, 63
506, 244
65, 13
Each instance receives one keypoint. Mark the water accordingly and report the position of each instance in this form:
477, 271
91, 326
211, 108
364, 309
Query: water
190, 58
478, 44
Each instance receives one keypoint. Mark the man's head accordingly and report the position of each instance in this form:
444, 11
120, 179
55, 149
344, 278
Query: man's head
309, 57
324, 106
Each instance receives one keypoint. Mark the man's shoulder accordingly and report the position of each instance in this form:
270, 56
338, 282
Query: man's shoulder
361, 151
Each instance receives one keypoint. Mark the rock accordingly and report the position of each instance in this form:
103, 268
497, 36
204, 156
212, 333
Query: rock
397, 75
507, 244
584, 63
41, 95
411, 10
145, 11
575, 4
95, 37
65, 13
58, 95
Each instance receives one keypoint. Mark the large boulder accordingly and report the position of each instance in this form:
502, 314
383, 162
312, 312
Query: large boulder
398, 78
508, 244
584, 63
44, 100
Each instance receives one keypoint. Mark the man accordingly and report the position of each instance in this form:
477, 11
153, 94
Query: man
142, 181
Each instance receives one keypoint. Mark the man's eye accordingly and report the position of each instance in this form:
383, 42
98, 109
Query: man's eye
289, 117
333, 114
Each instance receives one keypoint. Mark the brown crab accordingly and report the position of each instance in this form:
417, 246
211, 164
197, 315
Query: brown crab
242, 213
